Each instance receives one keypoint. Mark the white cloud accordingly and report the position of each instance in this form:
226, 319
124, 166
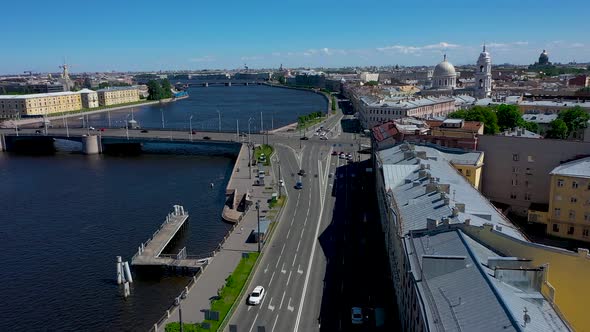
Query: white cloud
577, 45
252, 58
205, 58
417, 49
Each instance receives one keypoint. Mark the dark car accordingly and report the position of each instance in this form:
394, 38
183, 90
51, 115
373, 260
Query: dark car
37, 131
304, 138
206, 137
301, 172
194, 132
144, 131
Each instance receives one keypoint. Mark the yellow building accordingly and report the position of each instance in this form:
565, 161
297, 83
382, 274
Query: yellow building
13, 106
470, 167
118, 95
568, 215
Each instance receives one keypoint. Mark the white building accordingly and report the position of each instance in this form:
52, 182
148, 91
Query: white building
368, 77
483, 75
89, 98
444, 76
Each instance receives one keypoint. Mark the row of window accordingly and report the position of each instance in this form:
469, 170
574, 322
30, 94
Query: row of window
573, 199
527, 196
575, 184
467, 172
516, 170
571, 215
516, 157
571, 230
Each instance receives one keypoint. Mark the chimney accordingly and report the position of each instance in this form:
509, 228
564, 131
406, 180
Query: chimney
467, 222
421, 154
422, 166
455, 211
416, 183
460, 206
427, 166
445, 221
431, 223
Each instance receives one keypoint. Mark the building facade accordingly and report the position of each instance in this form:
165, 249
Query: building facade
373, 111
118, 95
89, 98
444, 76
13, 106
517, 170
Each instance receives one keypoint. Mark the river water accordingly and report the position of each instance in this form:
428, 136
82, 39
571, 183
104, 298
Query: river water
237, 105
65, 217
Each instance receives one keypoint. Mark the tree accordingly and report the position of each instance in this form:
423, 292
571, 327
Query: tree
166, 88
481, 114
508, 117
154, 90
575, 118
558, 129
103, 85
530, 126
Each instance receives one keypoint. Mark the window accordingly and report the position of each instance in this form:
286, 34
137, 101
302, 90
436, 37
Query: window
570, 230
461, 170
515, 169
513, 195
527, 196
573, 199
468, 172
574, 185
560, 182
557, 212
585, 232
527, 184
556, 228
515, 182
572, 214
586, 216
515, 157
529, 171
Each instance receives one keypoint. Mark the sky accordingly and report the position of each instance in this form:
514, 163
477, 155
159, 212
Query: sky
149, 35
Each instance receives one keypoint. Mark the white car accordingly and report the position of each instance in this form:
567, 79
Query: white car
357, 315
281, 183
256, 296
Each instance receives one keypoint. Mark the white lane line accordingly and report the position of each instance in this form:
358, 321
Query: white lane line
249, 307
289, 307
253, 323
283, 271
283, 248
288, 233
289, 278
303, 230
275, 323
309, 265
273, 275
282, 298
294, 258
298, 243
266, 269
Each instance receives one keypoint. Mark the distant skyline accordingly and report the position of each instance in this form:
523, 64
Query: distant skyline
188, 35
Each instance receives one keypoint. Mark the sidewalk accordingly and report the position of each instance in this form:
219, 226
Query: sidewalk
229, 254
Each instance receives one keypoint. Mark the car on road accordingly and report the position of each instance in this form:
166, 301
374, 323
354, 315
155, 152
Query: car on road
334, 153
144, 131
194, 132
301, 172
299, 185
91, 128
281, 183
357, 315
37, 131
316, 133
323, 138
206, 137
102, 129
342, 155
304, 138
256, 296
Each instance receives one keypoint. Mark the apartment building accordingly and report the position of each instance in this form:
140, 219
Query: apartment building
118, 95
13, 106
374, 110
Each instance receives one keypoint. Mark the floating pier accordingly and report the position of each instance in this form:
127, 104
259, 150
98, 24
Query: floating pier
149, 253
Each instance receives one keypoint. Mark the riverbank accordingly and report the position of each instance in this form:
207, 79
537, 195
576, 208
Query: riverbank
316, 91
89, 111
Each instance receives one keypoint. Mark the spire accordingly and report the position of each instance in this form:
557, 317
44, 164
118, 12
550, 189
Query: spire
484, 46
445, 58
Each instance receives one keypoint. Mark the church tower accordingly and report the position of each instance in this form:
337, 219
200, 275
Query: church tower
483, 75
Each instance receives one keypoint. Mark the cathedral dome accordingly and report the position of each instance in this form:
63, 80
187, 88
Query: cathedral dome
444, 69
544, 58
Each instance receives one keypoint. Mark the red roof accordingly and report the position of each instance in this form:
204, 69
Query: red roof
384, 131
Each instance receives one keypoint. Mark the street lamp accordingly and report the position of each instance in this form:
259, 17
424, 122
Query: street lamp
179, 304
162, 110
127, 126
249, 120
258, 214
190, 124
219, 114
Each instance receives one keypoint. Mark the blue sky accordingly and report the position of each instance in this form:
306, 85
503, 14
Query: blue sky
170, 35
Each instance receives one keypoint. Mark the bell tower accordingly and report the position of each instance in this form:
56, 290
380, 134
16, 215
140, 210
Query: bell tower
483, 75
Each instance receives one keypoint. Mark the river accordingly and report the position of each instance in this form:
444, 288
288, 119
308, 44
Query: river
66, 217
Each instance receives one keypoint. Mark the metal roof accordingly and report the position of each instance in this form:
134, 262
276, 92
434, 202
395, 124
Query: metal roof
39, 95
578, 168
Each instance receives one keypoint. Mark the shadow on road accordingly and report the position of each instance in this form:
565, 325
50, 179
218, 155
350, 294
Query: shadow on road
356, 273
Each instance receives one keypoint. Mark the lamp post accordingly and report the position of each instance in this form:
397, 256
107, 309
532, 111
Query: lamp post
249, 120
190, 124
16, 122
67, 128
109, 116
258, 214
162, 110
219, 115
127, 123
179, 304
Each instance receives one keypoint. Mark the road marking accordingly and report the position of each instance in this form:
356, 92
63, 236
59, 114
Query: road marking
299, 270
289, 278
283, 248
309, 265
266, 269
283, 271
274, 324
303, 230
294, 258
289, 307
273, 275
254, 322
282, 298
271, 307
289, 232
298, 243
249, 307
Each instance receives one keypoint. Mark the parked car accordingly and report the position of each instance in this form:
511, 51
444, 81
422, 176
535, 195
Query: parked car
37, 131
304, 138
206, 137
102, 129
144, 131
91, 128
256, 296
357, 315
334, 153
194, 132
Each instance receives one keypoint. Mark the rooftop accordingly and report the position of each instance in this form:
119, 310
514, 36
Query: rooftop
520, 132
578, 168
539, 118
403, 102
117, 88
39, 95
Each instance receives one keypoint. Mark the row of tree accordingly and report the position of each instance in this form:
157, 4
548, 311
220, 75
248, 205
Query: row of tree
303, 119
498, 118
159, 89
